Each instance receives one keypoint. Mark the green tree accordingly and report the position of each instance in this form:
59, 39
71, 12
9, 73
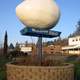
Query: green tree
5, 44
11, 46
17, 47
77, 31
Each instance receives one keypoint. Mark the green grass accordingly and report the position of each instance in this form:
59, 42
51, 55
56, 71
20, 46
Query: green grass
3, 61
76, 69
2, 75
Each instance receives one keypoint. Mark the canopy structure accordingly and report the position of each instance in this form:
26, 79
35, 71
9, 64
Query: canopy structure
71, 47
40, 33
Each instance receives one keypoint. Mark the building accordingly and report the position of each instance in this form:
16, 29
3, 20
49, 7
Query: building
29, 48
73, 46
52, 49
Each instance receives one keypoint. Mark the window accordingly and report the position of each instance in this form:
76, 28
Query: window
52, 49
73, 40
76, 39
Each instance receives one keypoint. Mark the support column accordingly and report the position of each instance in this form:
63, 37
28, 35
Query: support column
39, 49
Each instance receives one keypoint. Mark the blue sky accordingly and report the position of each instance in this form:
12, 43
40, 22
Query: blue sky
70, 14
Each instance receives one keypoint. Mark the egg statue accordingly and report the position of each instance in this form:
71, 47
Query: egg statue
38, 14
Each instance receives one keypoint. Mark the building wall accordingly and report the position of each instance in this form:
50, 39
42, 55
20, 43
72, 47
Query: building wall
52, 49
74, 40
26, 49
73, 46
74, 52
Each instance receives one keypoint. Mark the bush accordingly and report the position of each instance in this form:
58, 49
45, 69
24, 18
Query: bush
30, 61
52, 63
3, 61
15, 53
72, 58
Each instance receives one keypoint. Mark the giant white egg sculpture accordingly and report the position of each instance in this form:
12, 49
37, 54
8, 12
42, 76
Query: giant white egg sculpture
38, 14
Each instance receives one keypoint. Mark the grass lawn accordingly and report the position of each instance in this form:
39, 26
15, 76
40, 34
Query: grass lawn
3, 61
76, 69
74, 59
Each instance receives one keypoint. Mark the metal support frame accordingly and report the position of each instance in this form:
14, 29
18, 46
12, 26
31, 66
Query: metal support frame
39, 50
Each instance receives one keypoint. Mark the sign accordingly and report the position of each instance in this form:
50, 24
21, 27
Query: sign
40, 33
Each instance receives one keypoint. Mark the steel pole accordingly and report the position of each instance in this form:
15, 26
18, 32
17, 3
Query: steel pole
39, 49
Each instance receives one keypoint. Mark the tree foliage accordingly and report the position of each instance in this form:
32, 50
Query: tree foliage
17, 47
11, 46
77, 31
5, 43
